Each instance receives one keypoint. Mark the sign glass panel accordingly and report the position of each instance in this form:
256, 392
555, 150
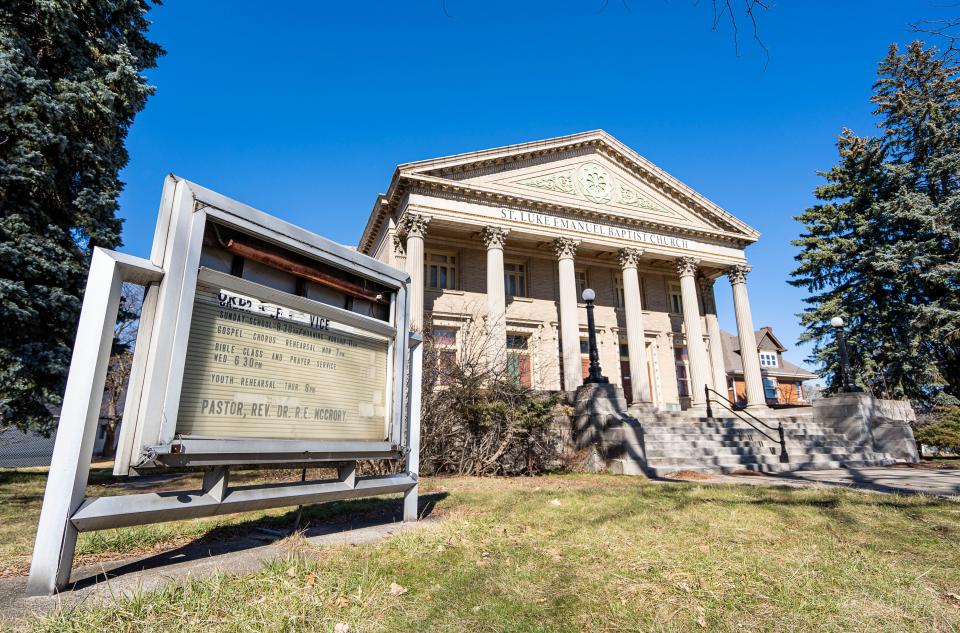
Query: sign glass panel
261, 370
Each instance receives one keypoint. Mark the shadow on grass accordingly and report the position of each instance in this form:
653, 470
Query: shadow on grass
786, 501
317, 520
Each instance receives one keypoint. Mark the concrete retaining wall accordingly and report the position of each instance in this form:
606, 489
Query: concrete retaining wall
870, 423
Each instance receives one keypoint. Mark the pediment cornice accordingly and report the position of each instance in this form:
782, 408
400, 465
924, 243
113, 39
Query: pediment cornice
445, 176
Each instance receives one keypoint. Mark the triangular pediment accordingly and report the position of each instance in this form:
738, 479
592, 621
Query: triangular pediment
596, 183
591, 171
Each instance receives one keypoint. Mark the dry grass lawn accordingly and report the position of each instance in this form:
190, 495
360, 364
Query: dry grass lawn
590, 553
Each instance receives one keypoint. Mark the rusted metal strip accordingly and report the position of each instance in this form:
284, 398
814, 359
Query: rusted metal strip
302, 270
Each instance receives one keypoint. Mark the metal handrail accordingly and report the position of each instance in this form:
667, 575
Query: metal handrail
723, 401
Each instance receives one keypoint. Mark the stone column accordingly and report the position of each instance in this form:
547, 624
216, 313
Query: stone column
399, 253
414, 227
565, 249
719, 372
494, 237
696, 351
752, 376
633, 317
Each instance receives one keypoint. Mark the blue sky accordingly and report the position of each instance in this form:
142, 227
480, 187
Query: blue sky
304, 109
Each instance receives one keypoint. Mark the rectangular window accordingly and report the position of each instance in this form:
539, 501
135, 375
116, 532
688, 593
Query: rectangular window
515, 278
518, 359
585, 357
444, 336
770, 389
583, 282
440, 270
676, 299
683, 376
445, 342
768, 359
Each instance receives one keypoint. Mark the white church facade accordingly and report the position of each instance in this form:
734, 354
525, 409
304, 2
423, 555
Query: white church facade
504, 241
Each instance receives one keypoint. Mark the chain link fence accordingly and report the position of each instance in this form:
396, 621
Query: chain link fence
19, 449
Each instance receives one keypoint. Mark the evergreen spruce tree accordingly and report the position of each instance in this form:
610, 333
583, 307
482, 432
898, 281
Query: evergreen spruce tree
70, 86
882, 252
918, 102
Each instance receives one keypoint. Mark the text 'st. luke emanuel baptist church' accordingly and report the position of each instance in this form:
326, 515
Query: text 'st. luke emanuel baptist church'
508, 238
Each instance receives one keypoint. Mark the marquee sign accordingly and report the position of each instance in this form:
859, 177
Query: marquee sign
259, 343
257, 369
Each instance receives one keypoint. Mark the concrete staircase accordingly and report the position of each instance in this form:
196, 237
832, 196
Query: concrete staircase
658, 443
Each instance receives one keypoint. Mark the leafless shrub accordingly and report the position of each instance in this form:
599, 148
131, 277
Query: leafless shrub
479, 420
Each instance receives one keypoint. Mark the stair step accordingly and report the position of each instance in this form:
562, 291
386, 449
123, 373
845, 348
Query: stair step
746, 460
661, 471
733, 451
691, 441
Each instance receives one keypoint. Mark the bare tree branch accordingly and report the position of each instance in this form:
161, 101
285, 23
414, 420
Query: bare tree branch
947, 30
443, 7
727, 8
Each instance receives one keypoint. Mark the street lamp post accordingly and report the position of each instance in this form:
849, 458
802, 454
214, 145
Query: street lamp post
848, 385
594, 376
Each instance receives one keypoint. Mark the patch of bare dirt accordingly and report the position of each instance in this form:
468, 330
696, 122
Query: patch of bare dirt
690, 475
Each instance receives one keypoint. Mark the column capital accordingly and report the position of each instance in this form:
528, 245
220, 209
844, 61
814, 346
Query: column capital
494, 236
414, 224
687, 266
738, 274
629, 257
565, 247
398, 248
706, 292
705, 283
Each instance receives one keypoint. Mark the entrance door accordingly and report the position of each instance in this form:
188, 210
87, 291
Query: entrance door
625, 380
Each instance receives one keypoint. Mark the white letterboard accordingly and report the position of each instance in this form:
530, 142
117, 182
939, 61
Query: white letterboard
261, 370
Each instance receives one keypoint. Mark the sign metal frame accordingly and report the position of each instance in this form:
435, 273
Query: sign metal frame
147, 436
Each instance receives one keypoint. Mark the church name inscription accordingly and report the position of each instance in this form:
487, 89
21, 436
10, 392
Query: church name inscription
257, 369
594, 228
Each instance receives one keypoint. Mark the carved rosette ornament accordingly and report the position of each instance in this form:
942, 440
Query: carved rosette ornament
565, 247
629, 257
687, 266
413, 224
494, 236
596, 184
738, 274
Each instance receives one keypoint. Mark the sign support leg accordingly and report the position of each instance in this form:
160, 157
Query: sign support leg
347, 473
411, 496
70, 464
216, 482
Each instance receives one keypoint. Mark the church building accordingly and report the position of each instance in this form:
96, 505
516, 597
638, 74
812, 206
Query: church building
504, 241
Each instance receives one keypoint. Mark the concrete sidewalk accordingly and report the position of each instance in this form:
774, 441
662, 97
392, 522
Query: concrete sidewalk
95, 584
942, 483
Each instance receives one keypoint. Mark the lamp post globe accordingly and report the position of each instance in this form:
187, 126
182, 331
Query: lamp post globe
595, 375
846, 380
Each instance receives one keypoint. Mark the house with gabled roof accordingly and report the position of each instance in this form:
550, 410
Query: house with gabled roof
782, 380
